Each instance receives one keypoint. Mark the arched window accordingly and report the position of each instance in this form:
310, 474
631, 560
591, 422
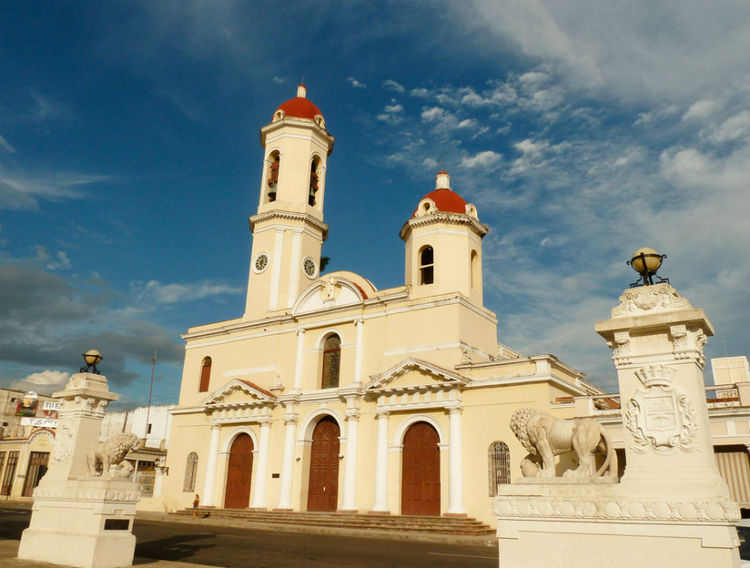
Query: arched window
205, 374
273, 176
475, 274
426, 266
314, 180
331, 362
191, 469
498, 458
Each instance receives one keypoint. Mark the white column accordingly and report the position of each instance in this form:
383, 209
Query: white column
207, 499
349, 502
261, 471
278, 249
455, 458
294, 272
359, 324
300, 356
287, 464
381, 465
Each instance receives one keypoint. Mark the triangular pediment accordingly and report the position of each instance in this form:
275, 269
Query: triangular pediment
238, 391
414, 373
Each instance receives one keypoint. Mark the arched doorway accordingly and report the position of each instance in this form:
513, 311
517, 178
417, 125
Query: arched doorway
420, 471
239, 472
323, 491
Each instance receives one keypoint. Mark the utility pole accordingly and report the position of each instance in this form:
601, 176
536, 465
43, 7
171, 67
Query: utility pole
150, 393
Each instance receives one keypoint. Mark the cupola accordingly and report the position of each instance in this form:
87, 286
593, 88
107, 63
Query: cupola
299, 107
444, 245
443, 199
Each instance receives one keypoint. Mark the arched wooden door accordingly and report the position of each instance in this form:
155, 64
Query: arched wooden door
420, 471
239, 473
323, 491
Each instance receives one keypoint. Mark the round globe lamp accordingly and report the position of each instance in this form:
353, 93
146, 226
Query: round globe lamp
646, 261
92, 358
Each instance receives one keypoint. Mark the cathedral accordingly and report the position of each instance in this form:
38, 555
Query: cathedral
328, 394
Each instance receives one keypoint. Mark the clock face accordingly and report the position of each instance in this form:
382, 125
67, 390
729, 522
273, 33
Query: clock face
309, 266
261, 262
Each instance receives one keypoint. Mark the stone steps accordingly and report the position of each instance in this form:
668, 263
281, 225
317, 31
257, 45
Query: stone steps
438, 525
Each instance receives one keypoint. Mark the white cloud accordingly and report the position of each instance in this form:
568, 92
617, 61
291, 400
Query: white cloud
631, 155
173, 293
677, 49
420, 93
701, 109
5, 145
391, 114
394, 86
279, 80
49, 109
734, 128
356, 84
59, 262
433, 114
45, 382
659, 113
21, 190
485, 159
430, 163
690, 168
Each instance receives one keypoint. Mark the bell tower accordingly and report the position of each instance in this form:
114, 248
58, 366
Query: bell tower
288, 229
444, 245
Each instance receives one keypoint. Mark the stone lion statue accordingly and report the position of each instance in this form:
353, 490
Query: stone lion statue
545, 437
111, 452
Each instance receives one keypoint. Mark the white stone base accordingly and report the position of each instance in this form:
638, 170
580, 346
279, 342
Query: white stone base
85, 523
590, 526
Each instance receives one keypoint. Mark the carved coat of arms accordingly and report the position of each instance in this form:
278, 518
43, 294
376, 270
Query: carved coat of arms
660, 416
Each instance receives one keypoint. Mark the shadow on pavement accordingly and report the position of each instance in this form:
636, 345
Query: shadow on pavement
174, 548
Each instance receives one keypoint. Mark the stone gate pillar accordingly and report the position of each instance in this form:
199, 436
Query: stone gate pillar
80, 519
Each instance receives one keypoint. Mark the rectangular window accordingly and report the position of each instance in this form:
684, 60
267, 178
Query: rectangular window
10, 472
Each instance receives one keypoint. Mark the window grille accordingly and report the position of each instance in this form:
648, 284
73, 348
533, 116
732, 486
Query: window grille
499, 465
191, 468
331, 362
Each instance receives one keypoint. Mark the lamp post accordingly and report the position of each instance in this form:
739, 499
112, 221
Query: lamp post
92, 357
646, 261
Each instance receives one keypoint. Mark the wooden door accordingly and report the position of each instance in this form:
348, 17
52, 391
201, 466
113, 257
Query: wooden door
420, 471
36, 470
323, 491
239, 473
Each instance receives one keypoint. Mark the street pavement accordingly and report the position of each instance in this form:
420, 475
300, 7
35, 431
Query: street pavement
163, 542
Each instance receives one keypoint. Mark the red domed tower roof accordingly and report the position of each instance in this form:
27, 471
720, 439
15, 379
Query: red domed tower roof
445, 199
300, 106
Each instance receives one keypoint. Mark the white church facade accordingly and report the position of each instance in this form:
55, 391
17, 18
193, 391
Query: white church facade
328, 394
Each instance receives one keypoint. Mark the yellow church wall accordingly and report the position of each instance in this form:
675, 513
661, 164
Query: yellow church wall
190, 433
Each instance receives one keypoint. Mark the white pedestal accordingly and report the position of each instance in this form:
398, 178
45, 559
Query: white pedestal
561, 525
85, 522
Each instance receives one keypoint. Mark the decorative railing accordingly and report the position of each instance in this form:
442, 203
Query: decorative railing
717, 396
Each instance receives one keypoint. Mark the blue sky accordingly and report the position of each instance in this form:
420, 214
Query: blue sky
130, 161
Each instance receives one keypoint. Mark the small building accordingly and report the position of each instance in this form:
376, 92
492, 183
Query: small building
152, 425
28, 428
